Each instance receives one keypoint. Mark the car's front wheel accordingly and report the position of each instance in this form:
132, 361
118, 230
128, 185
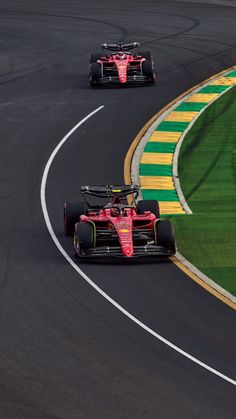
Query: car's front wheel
84, 237
95, 74
164, 235
148, 70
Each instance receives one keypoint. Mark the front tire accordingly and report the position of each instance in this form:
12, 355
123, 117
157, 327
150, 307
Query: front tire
95, 74
72, 213
148, 71
84, 237
164, 235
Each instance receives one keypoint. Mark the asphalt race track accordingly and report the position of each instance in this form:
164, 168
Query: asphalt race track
65, 351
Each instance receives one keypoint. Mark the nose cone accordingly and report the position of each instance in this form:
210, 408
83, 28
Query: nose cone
122, 70
129, 251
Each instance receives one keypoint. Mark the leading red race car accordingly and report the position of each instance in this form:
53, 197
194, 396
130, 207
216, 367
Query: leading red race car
118, 227
121, 63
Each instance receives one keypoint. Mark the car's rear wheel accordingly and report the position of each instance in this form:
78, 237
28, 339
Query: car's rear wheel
95, 74
148, 71
72, 213
85, 237
148, 205
164, 235
94, 57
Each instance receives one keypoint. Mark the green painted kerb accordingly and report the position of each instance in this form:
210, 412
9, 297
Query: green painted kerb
231, 74
214, 89
155, 147
170, 126
190, 107
155, 170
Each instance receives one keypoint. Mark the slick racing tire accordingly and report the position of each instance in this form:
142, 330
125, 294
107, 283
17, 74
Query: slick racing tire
146, 54
148, 71
72, 213
164, 235
85, 236
148, 205
94, 57
95, 73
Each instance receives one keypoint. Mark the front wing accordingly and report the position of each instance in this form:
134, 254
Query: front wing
115, 80
115, 251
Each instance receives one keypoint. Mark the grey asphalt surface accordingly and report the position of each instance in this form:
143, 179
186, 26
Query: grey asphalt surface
65, 352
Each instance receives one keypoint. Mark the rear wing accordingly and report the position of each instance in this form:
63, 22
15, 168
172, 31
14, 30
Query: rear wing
110, 191
120, 46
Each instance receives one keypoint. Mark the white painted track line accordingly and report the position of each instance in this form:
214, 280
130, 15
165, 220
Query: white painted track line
89, 281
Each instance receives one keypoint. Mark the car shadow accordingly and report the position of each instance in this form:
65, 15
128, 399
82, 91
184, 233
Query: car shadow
149, 260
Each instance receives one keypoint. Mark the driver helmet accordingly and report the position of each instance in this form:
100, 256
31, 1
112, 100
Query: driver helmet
121, 55
115, 212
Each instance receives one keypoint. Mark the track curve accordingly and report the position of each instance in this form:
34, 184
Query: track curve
65, 352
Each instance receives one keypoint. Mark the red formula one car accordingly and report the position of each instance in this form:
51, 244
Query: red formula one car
118, 227
117, 64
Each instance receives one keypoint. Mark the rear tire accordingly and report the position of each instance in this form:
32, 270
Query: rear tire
85, 235
95, 74
165, 235
94, 57
148, 205
72, 213
148, 71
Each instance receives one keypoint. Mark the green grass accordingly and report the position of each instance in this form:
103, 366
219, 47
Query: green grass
207, 166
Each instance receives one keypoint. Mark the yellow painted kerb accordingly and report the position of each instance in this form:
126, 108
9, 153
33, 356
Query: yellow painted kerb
224, 81
157, 158
157, 182
176, 116
203, 97
168, 207
165, 137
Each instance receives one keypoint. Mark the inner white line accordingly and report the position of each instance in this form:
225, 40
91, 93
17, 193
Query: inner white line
90, 282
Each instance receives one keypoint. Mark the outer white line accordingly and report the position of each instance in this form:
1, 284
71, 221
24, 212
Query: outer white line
90, 282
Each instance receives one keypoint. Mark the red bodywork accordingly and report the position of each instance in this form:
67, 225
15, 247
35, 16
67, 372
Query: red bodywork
125, 224
121, 63
124, 64
120, 226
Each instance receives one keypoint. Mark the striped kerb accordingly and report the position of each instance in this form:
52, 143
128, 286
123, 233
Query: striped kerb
156, 164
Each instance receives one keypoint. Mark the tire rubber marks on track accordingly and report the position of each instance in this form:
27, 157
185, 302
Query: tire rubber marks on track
89, 280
